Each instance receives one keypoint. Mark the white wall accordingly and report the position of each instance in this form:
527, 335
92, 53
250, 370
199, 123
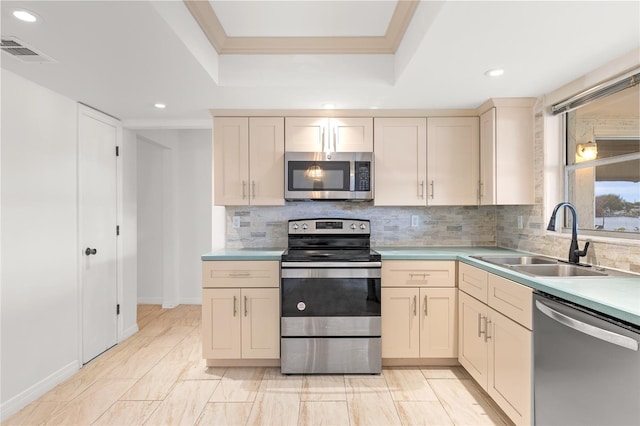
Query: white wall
39, 239
40, 311
185, 188
150, 222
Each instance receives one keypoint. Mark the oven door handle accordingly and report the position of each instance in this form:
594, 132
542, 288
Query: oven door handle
598, 333
331, 273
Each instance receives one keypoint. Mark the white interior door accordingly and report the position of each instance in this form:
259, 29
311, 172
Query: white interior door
97, 139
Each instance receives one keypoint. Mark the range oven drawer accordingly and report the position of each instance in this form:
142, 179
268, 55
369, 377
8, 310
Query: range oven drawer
324, 355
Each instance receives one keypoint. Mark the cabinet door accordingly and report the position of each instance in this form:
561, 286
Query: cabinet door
221, 323
306, 134
472, 347
260, 323
453, 161
514, 155
401, 161
351, 134
438, 323
400, 326
487, 157
231, 161
266, 161
509, 378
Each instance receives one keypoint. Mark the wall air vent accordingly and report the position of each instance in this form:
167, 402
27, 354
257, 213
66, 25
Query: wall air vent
19, 50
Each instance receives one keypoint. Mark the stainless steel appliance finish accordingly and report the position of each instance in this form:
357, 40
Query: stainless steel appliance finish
330, 299
586, 366
328, 176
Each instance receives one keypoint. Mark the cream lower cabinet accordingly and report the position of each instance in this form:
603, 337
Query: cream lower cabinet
419, 306
495, 348
240, 310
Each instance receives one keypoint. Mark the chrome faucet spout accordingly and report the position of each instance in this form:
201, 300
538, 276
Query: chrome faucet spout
574, 251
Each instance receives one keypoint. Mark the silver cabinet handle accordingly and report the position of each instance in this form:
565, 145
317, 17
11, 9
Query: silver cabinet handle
433, 192
415, 301
335, 140
323, 139
480, 332
239, 274
253, 188
421, 192
480, 189
245, 306
235, 305
244, 190
486, 329
598, 333
425, 305
415, 274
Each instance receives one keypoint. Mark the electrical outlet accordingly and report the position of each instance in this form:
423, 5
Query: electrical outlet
520, 222
236, 221
414, 220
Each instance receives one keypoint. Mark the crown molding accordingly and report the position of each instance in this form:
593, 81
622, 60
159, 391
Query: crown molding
206, 18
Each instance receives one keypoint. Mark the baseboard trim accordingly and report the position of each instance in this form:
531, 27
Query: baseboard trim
128, 332
26, 397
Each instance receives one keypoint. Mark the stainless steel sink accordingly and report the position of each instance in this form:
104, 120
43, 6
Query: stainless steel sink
517, 260
558, 270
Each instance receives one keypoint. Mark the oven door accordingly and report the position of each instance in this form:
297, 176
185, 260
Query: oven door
330, 301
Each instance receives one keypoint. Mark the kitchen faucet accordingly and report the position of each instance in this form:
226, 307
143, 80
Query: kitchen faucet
574, 252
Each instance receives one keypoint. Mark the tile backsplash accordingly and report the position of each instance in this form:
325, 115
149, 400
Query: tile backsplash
390, 226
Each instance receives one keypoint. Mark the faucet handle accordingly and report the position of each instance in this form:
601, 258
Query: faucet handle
583, 252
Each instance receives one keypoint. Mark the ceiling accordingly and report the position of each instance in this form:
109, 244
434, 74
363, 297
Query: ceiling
123, 56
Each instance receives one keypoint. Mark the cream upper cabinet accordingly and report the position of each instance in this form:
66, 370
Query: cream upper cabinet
419, 309
506, 153
312, 134
248, 158
452, 161
495, 339
241, 310
401, 161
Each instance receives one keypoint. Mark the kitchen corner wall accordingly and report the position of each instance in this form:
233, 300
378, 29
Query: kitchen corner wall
390, 226
533, 237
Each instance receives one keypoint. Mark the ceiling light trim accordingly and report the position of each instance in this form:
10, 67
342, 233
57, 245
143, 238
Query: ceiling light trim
206, 18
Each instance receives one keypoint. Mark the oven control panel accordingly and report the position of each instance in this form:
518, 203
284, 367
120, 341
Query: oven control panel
329, 226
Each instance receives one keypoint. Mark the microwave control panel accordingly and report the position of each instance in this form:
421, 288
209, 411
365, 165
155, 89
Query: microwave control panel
363, 175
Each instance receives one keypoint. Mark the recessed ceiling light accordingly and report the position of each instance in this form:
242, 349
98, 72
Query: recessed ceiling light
328, 106
160, 105
496, 72
25, 15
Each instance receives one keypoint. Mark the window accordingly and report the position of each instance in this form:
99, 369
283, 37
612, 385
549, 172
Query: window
603, 164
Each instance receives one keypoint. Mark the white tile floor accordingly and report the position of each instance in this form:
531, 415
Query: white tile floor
157, 377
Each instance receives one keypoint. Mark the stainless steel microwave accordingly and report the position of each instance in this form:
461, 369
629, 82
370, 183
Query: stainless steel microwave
328, 176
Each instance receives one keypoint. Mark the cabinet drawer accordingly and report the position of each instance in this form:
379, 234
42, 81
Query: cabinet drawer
240, 273
418, 273
473, 281
511, 299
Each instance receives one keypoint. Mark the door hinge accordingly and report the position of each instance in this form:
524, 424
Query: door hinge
118, 309
117, 229
117, 151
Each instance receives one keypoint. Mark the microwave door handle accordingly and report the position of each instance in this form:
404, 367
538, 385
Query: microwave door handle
597, 332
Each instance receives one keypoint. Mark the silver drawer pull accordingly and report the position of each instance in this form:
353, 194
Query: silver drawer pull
480, 332
245, 306
239, 274
235, 305
415, 303
425, 305
486, 329
423, 275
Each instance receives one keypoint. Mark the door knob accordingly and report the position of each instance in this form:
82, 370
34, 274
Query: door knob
90, 251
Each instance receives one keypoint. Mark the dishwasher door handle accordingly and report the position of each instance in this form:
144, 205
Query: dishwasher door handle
598, 333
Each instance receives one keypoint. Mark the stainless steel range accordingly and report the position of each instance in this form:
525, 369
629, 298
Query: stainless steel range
330, 299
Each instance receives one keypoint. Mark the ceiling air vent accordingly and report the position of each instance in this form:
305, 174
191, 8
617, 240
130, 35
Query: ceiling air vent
19, 50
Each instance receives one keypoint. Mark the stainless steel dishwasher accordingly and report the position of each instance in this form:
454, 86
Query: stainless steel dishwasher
586, 366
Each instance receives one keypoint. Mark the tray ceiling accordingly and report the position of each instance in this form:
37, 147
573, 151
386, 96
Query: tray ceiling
288, 27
